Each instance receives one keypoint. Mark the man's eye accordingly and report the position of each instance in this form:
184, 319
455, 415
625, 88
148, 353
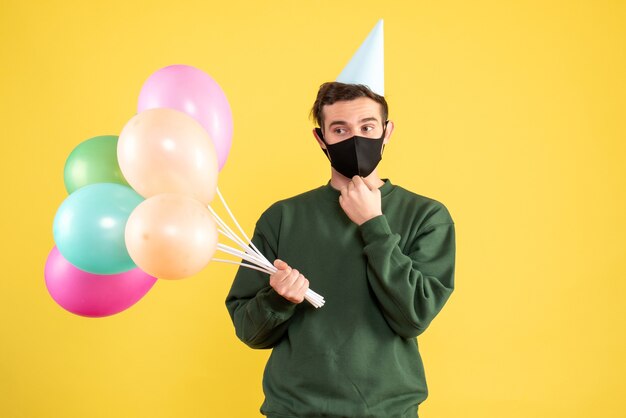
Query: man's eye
368, 128
340, 131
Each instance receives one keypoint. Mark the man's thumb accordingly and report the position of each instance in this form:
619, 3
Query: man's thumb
280, 264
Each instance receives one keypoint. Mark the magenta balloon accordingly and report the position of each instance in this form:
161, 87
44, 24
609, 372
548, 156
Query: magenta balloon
192, 91
93, 295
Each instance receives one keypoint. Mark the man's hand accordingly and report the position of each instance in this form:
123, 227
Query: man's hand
288, 282
360, 201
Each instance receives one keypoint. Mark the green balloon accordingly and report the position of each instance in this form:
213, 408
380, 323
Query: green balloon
93, 161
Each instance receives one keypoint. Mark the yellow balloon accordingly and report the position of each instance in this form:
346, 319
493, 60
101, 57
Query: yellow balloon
171, 236
166, 151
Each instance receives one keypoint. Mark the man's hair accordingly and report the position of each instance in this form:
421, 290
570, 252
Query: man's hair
334, 91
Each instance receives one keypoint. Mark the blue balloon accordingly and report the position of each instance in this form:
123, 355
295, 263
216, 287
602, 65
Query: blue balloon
89, 227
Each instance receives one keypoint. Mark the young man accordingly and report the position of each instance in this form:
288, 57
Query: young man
382, 257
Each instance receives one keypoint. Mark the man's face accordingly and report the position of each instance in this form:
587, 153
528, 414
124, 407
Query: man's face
344, 119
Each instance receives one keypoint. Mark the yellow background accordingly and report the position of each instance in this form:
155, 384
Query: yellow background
510, 113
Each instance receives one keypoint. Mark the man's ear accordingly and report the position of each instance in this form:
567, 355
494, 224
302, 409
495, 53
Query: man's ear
317, 133
388, 131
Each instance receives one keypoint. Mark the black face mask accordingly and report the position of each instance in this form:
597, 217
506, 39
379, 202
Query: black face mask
355, 156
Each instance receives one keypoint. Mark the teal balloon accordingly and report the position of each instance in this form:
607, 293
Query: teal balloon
89, 227
93, 161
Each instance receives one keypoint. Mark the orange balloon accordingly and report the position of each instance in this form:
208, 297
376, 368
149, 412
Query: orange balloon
166, 151
171, 236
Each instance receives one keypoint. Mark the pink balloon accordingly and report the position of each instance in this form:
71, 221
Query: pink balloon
93, 295
192, 91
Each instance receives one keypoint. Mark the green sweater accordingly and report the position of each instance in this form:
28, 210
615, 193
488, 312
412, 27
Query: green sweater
383, 282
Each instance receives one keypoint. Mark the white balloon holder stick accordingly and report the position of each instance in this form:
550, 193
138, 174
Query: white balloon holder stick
250, 252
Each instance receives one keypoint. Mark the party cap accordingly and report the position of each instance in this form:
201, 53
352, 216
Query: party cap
367, 64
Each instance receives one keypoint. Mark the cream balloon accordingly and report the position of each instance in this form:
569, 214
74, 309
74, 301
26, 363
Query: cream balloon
166, 151
171, 236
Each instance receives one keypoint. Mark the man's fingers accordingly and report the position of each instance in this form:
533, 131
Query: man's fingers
358, 181
367, 183
290, 284
304, 285
299, 288
280, 276
291, 278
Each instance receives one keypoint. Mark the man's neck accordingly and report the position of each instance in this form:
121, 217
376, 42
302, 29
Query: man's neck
339, 181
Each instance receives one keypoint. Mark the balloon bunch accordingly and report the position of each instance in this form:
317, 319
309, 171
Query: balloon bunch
138, 205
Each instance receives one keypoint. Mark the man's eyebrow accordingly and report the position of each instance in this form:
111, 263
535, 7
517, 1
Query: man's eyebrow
337, 122
342, 122
370, 119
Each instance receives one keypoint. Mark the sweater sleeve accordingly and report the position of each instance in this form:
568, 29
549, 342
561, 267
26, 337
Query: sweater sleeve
259, 314
411, 288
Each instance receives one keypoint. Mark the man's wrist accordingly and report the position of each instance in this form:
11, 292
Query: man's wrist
375, 229
370, 218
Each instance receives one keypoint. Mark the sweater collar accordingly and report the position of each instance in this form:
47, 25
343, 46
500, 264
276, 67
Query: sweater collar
331, 193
